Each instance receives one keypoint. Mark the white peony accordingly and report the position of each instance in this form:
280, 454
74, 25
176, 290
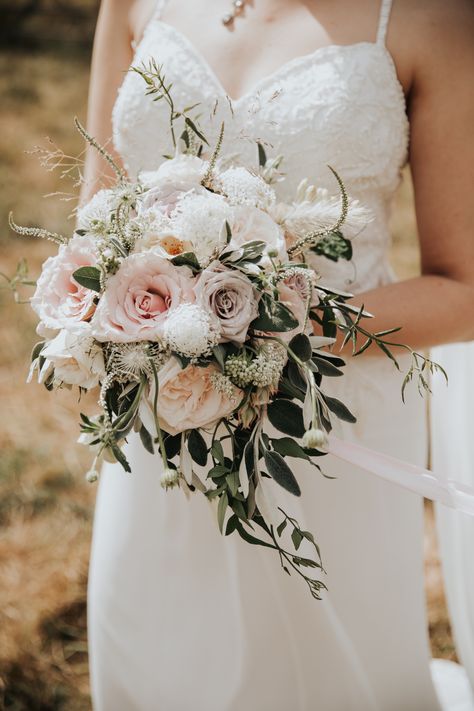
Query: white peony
245, 188
184, 172
199, 220
76, 357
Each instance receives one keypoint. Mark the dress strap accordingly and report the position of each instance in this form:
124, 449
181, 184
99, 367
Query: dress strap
384, 18
159, 7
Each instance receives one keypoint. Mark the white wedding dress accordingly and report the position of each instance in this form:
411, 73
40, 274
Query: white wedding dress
183, 619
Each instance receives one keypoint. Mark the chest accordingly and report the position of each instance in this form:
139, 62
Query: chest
341, 105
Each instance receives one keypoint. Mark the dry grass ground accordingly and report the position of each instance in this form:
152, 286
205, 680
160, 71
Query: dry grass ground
45, 505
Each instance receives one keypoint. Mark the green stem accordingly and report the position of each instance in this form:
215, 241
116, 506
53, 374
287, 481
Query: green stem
161, 442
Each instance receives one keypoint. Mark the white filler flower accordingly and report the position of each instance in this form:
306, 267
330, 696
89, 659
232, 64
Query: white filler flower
191, 331
199, 220
245, 188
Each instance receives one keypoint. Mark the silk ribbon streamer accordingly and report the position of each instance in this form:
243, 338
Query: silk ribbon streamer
409, 476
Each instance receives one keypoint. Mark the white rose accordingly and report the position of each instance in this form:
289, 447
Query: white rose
184, 172
251, 223
76, 357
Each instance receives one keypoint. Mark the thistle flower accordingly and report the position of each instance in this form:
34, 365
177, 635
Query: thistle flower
92, 475
169, 478
191, 331
129, 361
314, 438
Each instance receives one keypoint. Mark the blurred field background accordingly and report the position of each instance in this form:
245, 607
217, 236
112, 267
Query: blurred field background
45, 505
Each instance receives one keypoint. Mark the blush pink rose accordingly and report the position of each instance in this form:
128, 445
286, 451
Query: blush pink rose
138, 298
230, 296
187, 399
59, 300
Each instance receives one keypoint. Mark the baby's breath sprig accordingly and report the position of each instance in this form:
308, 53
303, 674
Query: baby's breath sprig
159, 89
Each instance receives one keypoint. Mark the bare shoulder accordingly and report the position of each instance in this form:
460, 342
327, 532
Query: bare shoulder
437, 35
139, 15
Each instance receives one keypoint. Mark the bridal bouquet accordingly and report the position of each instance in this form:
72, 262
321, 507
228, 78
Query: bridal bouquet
188, 298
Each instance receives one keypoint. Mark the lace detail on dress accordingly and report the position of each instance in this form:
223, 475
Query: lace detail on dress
340, 105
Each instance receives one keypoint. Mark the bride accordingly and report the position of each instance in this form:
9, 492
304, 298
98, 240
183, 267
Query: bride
172, 603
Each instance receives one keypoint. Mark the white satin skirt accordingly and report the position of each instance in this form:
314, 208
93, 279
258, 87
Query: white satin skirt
184, 619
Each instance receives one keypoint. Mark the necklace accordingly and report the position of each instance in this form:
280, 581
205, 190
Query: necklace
238, 6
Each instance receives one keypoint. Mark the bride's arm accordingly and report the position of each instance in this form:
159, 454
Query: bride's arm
438, 306
111, 58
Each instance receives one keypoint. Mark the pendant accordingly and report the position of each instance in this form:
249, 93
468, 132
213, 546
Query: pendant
238, 7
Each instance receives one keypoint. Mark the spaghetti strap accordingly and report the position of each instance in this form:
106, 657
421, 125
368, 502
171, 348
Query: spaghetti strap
384, 18
159, 7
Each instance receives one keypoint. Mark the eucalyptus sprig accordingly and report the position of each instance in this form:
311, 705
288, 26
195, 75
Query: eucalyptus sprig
350, 324
21, 277
159, 89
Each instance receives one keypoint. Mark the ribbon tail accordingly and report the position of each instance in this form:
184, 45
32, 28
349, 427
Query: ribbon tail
414, 478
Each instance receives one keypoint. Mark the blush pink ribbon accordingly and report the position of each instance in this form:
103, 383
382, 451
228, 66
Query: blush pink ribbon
409, 476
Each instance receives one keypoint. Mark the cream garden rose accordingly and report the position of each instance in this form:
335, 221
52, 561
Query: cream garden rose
138, 298
187, 399
251, 223
76, 358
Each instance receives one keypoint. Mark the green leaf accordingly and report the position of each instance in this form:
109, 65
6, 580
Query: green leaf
295, 376
194, 128
281, 472
217, 471
239, 509
287, 417
88, 277
273, 316
296, 537
262, 156
249, 538
221, 509
287, 447
37, 350
233, 482
217, 451
120, 457
334, 247
172, 445
231, 525
281, 527
219, 354
301, 347
186, 259
326, 368
146, 439
339, 409
197, 447
228, 232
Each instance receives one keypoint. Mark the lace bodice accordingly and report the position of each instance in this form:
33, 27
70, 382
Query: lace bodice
339, 105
